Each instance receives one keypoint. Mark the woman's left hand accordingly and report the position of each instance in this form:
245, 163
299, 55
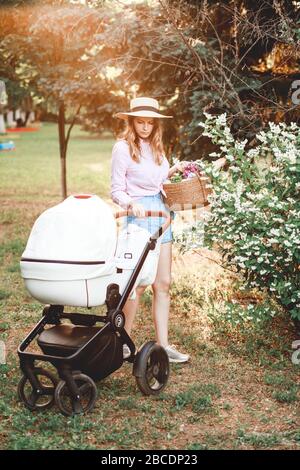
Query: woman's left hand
180, 166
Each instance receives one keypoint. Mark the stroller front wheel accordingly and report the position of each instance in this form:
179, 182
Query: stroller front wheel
40, 399
151, 368
87, 396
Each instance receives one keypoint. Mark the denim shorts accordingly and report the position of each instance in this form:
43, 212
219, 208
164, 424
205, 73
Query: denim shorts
152, 224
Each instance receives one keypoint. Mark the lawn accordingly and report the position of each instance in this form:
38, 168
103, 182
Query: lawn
240, 389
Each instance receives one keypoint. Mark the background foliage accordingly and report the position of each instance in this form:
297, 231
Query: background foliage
238, 57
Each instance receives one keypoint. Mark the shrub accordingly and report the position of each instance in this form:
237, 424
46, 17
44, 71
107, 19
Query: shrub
255, 209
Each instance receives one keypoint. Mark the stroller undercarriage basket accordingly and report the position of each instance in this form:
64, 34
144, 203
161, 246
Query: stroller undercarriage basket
66, 339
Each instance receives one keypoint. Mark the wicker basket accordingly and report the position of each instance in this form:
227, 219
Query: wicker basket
188, 194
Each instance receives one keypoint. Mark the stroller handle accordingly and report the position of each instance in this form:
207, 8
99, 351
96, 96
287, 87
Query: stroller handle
162, 229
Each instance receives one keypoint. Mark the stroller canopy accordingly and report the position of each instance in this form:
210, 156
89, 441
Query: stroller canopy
73, 240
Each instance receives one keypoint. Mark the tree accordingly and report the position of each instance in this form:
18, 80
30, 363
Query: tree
51, 59
206, 55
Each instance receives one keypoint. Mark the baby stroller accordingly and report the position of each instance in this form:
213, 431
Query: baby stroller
76, 257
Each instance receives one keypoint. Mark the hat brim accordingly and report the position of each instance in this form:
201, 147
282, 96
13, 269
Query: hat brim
150, 114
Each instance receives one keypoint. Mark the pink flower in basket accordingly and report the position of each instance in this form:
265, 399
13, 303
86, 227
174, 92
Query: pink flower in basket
191, 170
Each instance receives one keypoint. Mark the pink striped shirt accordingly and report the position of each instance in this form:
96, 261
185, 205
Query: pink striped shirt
131, 180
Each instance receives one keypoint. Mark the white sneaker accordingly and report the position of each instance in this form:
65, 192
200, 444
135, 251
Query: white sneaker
176, 356
126, 351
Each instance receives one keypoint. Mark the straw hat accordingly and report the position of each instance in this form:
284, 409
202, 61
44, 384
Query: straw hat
142, 107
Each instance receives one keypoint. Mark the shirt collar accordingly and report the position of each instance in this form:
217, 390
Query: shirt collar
144, 142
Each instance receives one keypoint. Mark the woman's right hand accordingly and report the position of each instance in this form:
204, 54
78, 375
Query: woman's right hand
137, 209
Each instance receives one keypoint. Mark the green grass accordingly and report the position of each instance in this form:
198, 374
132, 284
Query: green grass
197, 397
239, 379
33, 169
259, 440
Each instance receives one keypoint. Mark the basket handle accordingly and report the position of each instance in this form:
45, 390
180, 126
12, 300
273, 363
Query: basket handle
161, 229
203, 185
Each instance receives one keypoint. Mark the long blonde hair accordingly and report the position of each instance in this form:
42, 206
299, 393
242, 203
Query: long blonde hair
155, 140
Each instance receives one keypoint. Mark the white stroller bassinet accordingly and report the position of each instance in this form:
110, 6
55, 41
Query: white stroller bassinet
74, 252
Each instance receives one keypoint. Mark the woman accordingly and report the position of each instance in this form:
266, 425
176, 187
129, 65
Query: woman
139, 168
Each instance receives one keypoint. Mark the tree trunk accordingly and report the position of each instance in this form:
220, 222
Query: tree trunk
2, 124
62, 148
10, 119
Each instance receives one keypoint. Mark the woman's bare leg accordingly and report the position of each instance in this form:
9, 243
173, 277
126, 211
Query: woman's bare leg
161, 294
130, 309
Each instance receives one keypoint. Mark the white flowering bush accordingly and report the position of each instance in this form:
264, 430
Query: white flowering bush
254, 313
255, 209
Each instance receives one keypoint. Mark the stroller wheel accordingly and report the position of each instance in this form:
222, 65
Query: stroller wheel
87, 396
38, 399
151, 368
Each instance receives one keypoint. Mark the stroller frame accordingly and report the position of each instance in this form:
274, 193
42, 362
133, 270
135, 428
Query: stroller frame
73, 383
